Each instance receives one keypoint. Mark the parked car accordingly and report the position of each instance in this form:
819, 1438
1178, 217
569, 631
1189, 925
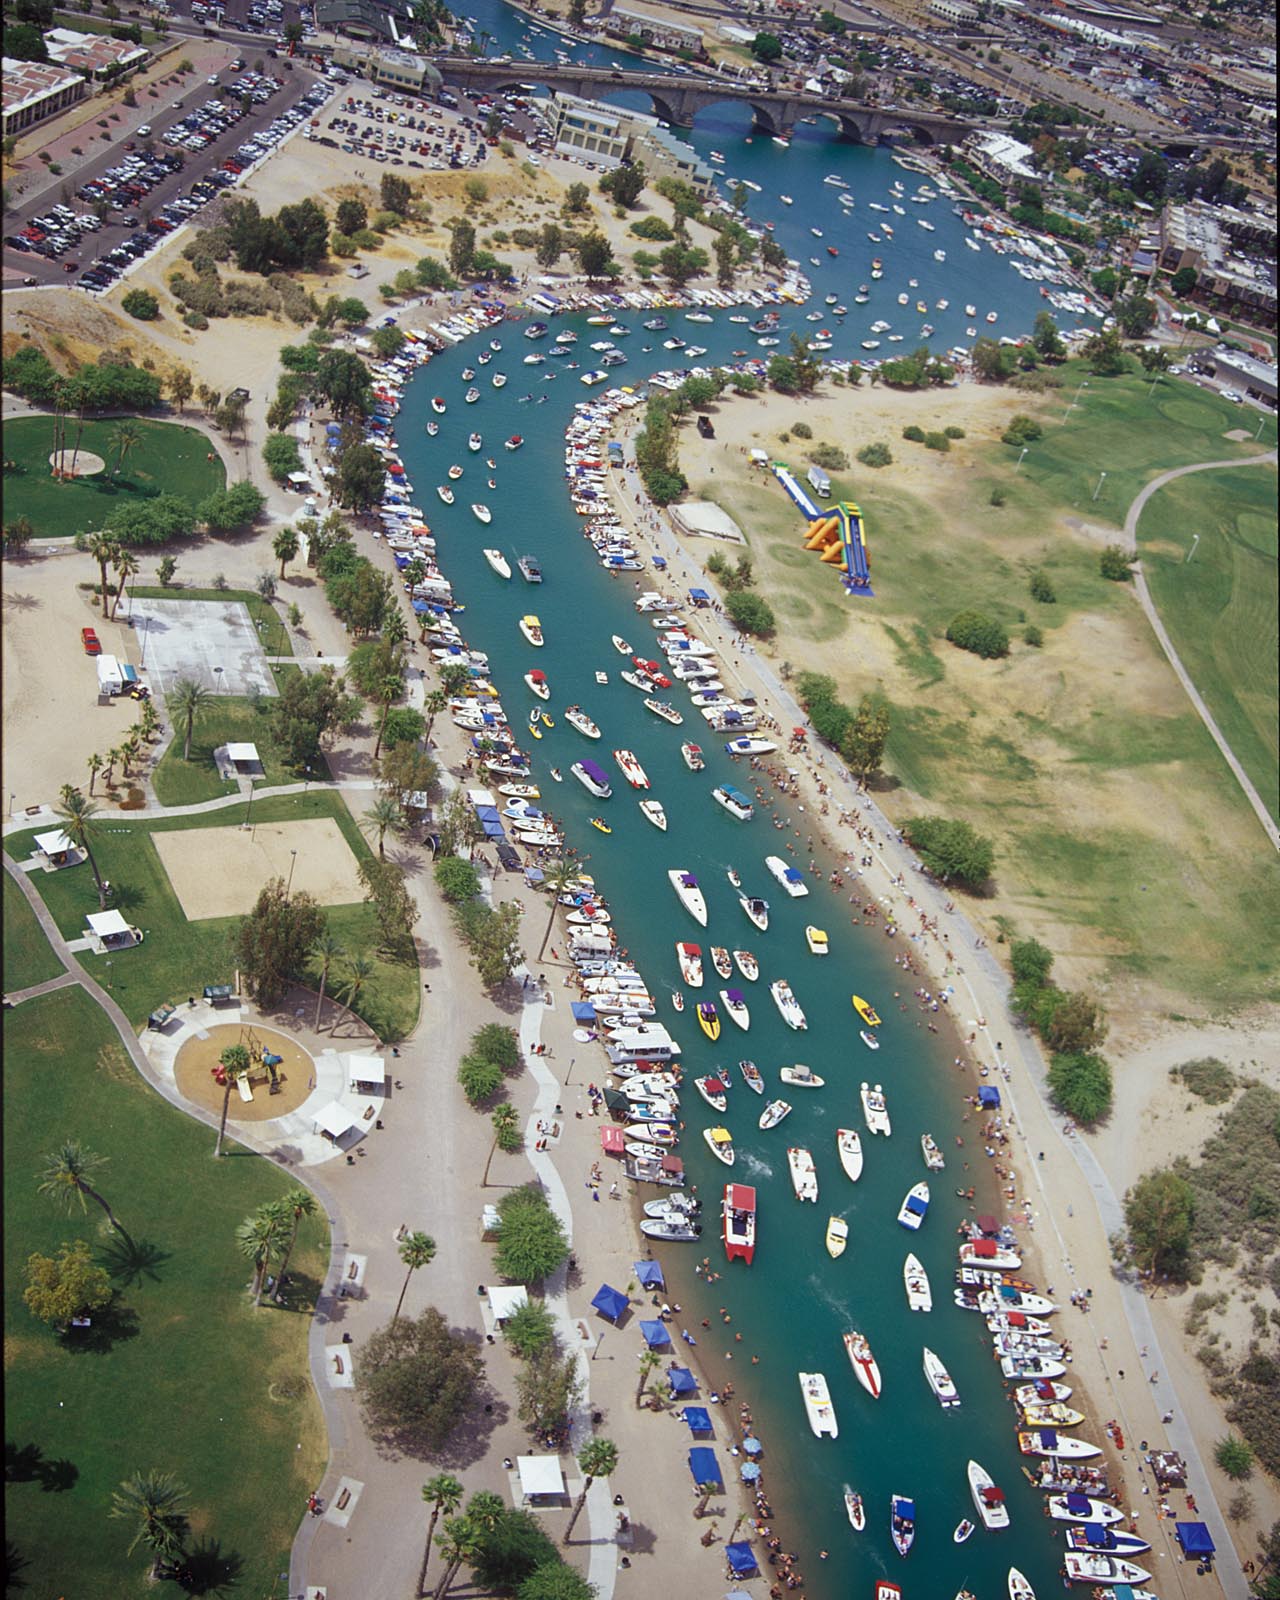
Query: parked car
92, 644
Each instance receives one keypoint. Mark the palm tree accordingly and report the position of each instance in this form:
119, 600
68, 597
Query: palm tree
505, 1123
94, 764
433, 703
65, 1175
186, 699
285, 545
418, 1250
649, 1359
326, 950
78, 815
258, 1238
235, 1061
557, 881
389, 691
75, 449
597, 1459
705, 1491
298, 1203
104, 549
359, 970
127, 565
125, 436
443, 1493
384, 813
157, 1502
459, 1542
115, 758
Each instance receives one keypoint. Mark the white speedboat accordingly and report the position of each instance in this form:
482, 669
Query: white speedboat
940, 1381
749, 747
837, 1236
594, 779
498, 380
714, 1091
721, 962
471, 396
850, 1147
733, 800
773, 1114
817, 1404
800, 1077
498, 562
933, 1157
455, 472
672, 1229
912, 1211
577, 718
863, 1362
988, 1499
631, 769
1080, 1508
916, 1281
481, 512
689, 894
445, 493
692, 754
1036, 1394
747, 965
816, 939
756, 909
791, 878
1098, 1570
736, 1007
475, 442
621, 645
986, 1253
1049, 1442
1030, 1366
720, 1143
751, 1076
537, 681
875, 1110
652, 810
1020, 1587
532, 630
854, 1510
690, 958
804, 1175
1017, 1322
663, 709
787, 1004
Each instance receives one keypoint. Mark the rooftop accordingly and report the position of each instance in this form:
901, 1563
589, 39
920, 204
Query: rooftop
26, 82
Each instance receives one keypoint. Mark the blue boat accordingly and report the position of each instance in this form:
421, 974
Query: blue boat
734, 801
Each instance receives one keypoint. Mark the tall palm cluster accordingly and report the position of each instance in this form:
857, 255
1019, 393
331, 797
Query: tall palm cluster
269, 1234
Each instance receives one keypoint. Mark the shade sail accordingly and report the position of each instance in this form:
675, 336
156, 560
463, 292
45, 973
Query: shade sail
648, 1273
243, 754
107, 924
655, 1334
682, 1381
741, 1561
335, 1120
53, 844
704, 1466
609, 1302
540, 1475
698, 1418
1195, 1539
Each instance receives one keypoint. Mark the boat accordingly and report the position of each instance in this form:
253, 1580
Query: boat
668, 713
816, 939
532, 630
674, 1229
940, 1381
749, 747
537, 681
631, 769
886, 1590
850, 1147
801, 1077
514, 442
916, 1281
467, 374
1084, 1567
788, 1006
1080, 1508
736, 1007
475, 442
837, 1236
599, 822
747, 965
1019, 1587
985, 1252
481, 512
738, 1214
902, 1523
530, 571
709, 1019
1033, 1394
756, 909
751, 1076
791, 878
438, 405
733, 800
988, 1499
594, 779
720, 1144
875, 1110
804, 1175
445, 493
689, 894
677, 1001
680, 1201
863, 1362
773, 1114
854, 1510
817, 1404
869, 1039
1054, 1415
866, 1011
433, 428
536, 330
1030, 1366
621, 645
720, 961
933, 1157
693, 757
455, 472
1049, 1442
520, 791
577, 718
714, 1092
498, 562
690, 958
1017, 1322
652, 809
602, 677
912, 1211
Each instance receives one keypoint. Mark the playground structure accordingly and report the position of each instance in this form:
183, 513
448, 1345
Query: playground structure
837, 533
263, 1065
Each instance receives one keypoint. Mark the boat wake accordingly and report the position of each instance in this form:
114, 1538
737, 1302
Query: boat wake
754, 1165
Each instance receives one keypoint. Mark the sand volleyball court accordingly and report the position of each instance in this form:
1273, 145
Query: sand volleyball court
218, 872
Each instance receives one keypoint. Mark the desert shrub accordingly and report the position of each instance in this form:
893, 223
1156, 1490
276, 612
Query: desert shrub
196, 320
830, 457
997, 497
142, 304
1116, 564
914, 432
981, 635
937, 441
1033, 636
1041, 589
1081, 1086
802, 430
1022, 429
953, 432
1213, 1081
875, 455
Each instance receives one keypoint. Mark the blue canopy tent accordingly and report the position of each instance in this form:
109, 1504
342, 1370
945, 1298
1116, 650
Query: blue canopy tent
491, 822
655, 1334
649, 1274
682, 1381
698, 1418
741, 1561
1195, 1539
704, 1466
583, 1011
609, 1302
988, 1097
699, 597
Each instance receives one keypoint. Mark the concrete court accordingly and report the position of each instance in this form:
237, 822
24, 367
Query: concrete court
194, 639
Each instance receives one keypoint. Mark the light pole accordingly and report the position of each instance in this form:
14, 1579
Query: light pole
1261, 422
293, 861
1102, 478
1084, 385
108, 972
1022, 453
146, 634
249, 806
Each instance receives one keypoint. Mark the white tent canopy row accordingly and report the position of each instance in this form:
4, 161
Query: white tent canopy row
243, 755
111, 928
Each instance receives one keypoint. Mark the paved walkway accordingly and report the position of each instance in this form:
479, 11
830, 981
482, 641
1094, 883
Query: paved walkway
1166, 643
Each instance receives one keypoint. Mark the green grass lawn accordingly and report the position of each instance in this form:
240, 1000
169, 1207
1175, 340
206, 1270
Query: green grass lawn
169, 459
1220, 606
227, 718
179, 957
28, 959
182, 1374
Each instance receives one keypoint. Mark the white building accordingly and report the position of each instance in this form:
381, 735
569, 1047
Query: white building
609, 135
954, 10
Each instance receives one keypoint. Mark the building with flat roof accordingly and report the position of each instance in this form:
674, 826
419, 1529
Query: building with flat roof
1232, 252
403, 70
624, 23
96, 54
34, 90
1001, 156
954, 10
1255, 378
610, 136
377, 20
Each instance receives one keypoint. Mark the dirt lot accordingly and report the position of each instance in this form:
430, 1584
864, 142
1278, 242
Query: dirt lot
218, 872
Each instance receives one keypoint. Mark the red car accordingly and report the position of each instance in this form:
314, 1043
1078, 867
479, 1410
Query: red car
89, 639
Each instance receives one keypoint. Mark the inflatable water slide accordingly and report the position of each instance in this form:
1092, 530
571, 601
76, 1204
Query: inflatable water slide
837, 533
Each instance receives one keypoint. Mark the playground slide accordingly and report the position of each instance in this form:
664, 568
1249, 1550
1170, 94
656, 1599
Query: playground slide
835, 532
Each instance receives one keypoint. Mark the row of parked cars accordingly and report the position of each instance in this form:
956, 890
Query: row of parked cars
54, 233
385, 133
200, 127
108, 268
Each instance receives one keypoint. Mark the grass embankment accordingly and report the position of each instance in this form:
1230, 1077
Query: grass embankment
182, 1374
168, 459
177, 957
1219, 603
1122, 843
28, 959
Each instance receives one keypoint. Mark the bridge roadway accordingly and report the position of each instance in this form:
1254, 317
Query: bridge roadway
677, 98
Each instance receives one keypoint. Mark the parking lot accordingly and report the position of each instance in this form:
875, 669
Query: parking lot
404, 131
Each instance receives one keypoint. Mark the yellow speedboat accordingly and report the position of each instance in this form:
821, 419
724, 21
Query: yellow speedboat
709, 1019
599, 822
817, 941
866, 1012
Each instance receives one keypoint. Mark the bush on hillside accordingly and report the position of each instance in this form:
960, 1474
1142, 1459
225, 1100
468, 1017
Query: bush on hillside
979, 634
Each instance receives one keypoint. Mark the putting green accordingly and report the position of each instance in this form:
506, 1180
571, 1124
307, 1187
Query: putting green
1189, 413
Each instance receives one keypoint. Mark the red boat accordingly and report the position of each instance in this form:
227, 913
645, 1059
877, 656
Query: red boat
739, 1213
832, 251
887, 1591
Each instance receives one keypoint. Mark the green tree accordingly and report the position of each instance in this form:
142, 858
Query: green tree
186, 700
235, 1061
952, 851
1046, 338
353, 981
529, 1329
550, 245
456, 879
360, 478
595, 254
598, 1458
443, 1494
1137, 314
1105, 353
1081, 1086
395, 194
260, 1235
272, 944
64, 1178
381, 815
531, 1242
750, 613
460, 1542
865, 739
281, 456
1159, 1211
326, 949
548, 1390
766, 47
310, 707
1184, 281
624, 184
726, 253
156, 1503
67, 1285
1116, 563
1234, 1456
979, 634
78, 816
649, 1362
417, 1380
462, 247
577, 199
1078, 1023
1154, 359
1030, 962
351, 216
298, 1203
556, 1581
418, 1250
104, 549
142, 304
285, 547
506, 1133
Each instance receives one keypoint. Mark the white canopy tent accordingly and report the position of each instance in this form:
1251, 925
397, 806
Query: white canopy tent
110, 929
243, 755
367, 1073
335, 1122
540, 1475
506, 1299
55, 843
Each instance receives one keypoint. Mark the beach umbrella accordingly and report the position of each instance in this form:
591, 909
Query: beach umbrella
753, 1447
609, 1302
750, 1471
649, 1274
